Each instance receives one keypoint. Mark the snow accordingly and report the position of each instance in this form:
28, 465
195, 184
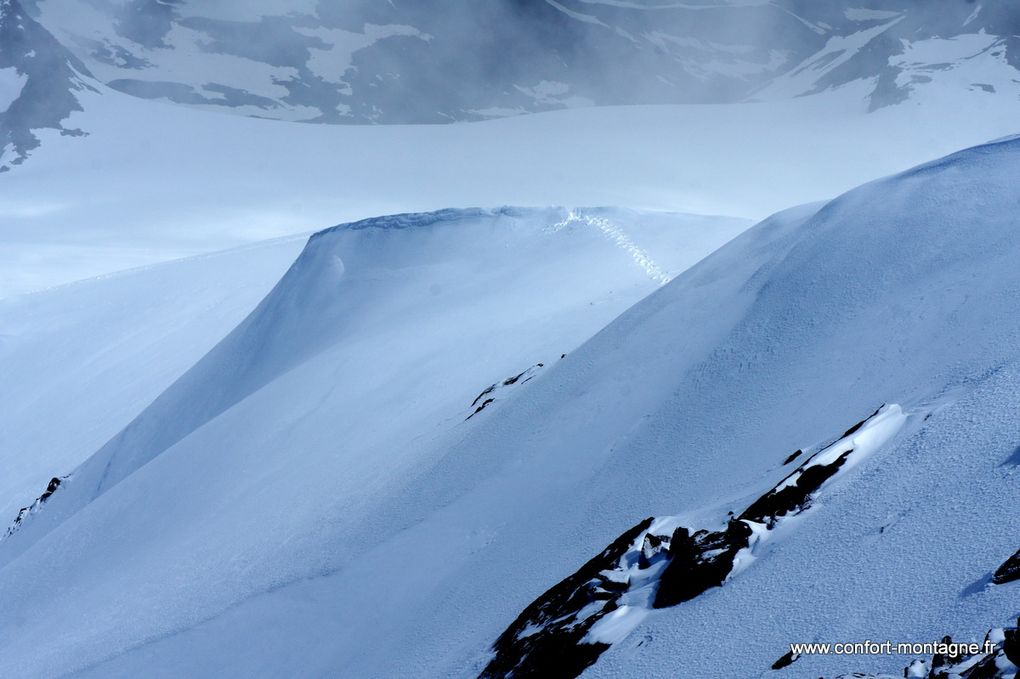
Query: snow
80, 361
11, 83
308, 499
641, 584
977, 61
189, 57
427, 310
241, 180
838, 50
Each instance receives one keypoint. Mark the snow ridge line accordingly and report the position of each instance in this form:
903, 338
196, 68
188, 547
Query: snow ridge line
616, 235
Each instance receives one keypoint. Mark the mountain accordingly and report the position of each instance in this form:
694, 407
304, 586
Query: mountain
115, 167
320, 495
394, 62
152, 181
39, 84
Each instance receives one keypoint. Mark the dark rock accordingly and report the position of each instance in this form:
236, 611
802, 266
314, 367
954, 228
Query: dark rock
481, 407
854, 429
795, 496
793, 456
488, 390
1011, 645
699, 562
788, 659
544, 640
24, 512
50, 489
1008, 571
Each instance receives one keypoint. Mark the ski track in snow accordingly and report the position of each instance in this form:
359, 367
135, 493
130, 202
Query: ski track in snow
617, 236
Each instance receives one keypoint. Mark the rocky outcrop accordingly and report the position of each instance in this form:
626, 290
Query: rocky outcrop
25, 512
658, 564
488, 395
1008, 571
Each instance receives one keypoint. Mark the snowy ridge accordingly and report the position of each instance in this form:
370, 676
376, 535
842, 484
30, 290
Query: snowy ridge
352, 280
616, 234
658, 564
901, 291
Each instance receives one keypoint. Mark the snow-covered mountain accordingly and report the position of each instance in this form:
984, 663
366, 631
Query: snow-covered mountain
392, 62
39, 84
115, 167
437, 62
152, 181
315, 498
449, 441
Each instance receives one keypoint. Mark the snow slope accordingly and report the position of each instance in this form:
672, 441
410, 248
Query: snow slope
80, 361
308, 499
370, 349
157, 181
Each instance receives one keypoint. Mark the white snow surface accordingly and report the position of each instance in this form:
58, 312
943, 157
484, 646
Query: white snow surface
155, 181
384, 332
11, 84
308, 501
81, 361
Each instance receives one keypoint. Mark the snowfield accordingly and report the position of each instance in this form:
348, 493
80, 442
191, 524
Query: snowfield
80, 361
310, 499
154, 181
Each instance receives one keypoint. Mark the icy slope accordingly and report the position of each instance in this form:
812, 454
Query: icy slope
337, 389
80, 361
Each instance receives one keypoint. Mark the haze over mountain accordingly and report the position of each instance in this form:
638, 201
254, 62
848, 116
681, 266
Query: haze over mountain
438, 62
105, 180
433, 61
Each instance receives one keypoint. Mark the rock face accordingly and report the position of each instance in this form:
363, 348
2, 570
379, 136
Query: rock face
489, 395
392, 62
571, 625
41, 79
547, 638
25, 512
1008, 571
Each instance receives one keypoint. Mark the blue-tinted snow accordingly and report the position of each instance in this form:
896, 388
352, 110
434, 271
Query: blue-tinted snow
331, 521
